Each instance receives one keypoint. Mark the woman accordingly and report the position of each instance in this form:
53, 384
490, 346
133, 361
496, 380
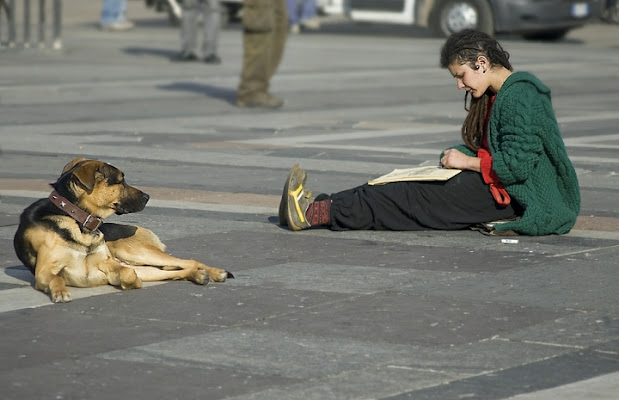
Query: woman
515, 167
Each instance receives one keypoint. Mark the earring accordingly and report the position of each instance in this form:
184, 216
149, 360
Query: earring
477, 67
484, 71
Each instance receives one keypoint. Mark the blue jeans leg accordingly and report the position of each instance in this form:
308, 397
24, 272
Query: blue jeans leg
308, 9
113, 12
293, 12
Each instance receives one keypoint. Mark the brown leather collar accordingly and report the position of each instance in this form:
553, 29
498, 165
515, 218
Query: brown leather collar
88, 221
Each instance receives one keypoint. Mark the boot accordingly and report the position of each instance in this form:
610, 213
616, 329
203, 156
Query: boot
260, 100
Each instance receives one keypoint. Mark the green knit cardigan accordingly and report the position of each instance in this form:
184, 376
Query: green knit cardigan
529, 157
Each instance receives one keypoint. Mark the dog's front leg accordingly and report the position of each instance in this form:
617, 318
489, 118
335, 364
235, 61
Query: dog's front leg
52, 284
49, 266
57, 290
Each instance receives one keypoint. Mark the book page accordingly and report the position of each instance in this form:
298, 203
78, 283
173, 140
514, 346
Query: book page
416, 174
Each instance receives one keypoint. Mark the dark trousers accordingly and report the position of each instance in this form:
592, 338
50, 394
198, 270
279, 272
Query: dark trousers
461, 202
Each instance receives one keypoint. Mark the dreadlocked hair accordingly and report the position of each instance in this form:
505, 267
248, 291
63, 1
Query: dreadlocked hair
465, 47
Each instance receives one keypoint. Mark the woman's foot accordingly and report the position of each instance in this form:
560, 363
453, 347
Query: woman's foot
297, 200
282, 203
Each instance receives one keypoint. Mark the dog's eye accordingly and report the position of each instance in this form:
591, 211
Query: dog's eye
114, 180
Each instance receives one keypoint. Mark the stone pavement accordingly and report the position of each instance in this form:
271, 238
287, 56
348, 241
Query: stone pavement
314, 314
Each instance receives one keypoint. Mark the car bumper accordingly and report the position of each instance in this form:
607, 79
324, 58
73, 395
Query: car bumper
521, 16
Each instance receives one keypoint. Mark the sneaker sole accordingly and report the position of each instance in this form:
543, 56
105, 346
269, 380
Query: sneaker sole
258, 104
295, 183
283, 202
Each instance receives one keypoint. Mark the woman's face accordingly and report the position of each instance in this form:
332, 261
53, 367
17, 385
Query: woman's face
471, 79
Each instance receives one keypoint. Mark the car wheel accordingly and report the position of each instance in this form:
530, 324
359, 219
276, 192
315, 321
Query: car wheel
451, 16
549, 36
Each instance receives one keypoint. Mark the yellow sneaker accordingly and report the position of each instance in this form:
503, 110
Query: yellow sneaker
298, 199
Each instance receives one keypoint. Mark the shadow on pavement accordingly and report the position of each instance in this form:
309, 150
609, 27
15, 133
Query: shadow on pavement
226, 94
151, 51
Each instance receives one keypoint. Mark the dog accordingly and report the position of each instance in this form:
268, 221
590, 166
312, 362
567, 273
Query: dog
63, 241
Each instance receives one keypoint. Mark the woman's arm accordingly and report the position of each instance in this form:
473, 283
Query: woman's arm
454, 158
523, 118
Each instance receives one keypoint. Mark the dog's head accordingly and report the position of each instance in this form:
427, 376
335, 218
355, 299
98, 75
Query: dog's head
99, 188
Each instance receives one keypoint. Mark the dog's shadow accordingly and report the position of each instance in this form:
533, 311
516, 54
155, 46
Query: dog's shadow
21, 273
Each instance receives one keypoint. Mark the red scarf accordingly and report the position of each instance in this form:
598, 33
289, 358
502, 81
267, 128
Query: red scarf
490, 177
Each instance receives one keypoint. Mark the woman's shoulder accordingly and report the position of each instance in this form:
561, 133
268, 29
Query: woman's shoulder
523, 81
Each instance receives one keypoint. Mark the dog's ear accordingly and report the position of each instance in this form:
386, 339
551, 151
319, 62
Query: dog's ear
72, 164
88, 174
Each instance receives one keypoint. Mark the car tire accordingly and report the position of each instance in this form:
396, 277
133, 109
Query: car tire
450, 16
548, 36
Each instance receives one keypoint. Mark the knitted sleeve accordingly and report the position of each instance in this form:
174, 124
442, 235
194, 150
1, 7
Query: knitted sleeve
516, 132
460, 147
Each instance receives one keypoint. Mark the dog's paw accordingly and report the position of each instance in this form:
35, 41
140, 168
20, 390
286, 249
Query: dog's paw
219, 275
199, 276
61, 296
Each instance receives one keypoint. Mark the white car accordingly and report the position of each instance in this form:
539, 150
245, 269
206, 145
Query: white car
534, 19
230, 9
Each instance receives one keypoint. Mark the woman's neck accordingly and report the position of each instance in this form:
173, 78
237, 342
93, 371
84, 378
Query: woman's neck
499, 76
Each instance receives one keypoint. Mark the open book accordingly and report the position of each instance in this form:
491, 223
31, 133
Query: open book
416, 174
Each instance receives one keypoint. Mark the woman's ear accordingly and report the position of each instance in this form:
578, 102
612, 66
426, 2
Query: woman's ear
483, 63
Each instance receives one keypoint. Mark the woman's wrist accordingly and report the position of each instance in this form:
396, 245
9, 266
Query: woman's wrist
475, 164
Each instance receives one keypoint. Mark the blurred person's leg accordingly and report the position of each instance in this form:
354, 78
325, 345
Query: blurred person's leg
189, 30
263, 47
278, 40
212, 24
610, 13
255, 64
293, 15
308, 15
114, 15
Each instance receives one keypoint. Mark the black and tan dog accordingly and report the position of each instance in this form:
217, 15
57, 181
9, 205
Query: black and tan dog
64, 242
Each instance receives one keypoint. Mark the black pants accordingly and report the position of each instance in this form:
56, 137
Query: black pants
461, 202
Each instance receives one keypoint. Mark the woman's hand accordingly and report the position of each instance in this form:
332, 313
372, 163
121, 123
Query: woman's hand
453, 158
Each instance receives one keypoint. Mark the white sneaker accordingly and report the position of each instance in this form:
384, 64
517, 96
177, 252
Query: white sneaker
312, 24
118, 26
